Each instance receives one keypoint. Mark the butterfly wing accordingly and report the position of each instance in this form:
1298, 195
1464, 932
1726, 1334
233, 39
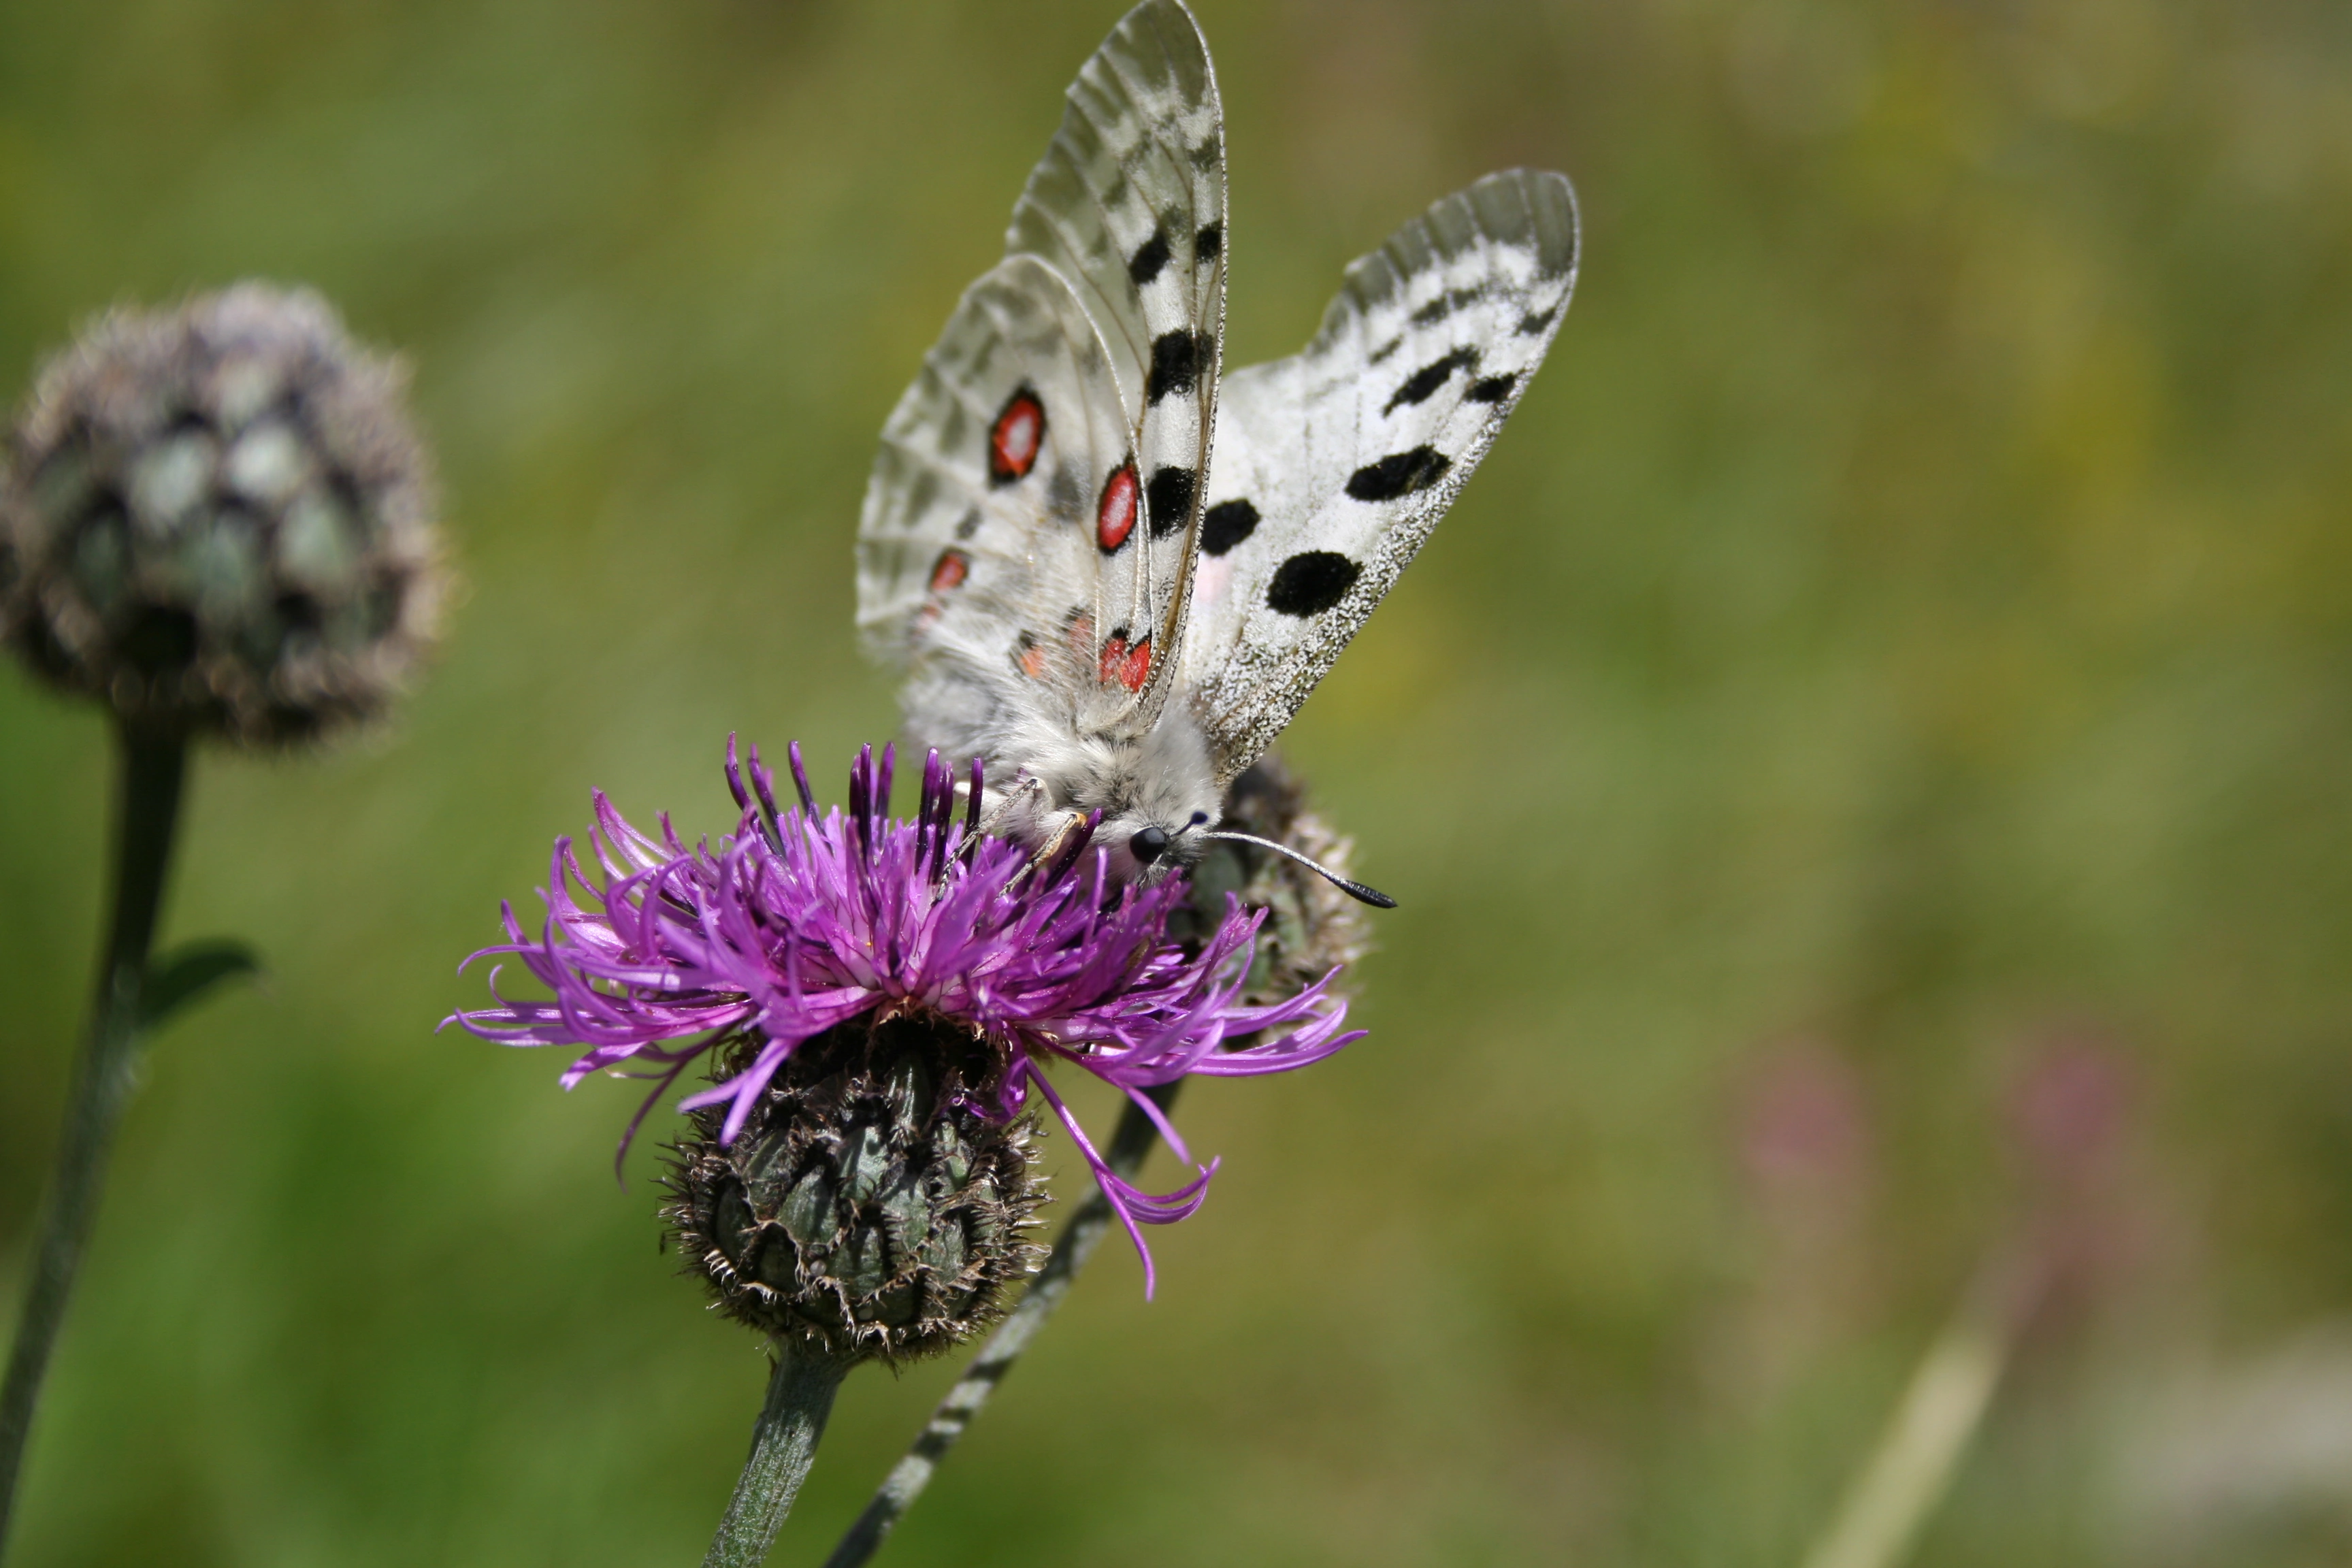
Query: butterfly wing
975, 564
1334, 464
1128, 204
1034, 504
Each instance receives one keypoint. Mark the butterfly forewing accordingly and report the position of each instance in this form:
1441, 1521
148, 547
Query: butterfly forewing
1333, 466
1128, 203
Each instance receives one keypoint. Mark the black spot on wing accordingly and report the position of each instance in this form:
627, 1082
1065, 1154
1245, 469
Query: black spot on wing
1444, 305
1065, 495
1311, 583
1169, 499
1178, 358
1226, 524
920, 494
1208, 154
1399, 473
1493, 389
1535, 321
1149, 259
1208, 242
969, 524
1430, 377
1385, 350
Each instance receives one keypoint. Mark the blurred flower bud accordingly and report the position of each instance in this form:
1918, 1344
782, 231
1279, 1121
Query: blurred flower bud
1311, 926
2069, 1107
218, 518
870, 1205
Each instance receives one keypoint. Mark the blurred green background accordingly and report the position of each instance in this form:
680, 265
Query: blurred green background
1864, 768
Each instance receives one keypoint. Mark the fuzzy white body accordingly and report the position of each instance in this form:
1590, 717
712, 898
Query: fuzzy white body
1044, 768
1163, 779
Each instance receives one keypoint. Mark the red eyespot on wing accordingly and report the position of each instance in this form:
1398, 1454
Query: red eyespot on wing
1115, 513
1014, 439
1029, 655
1137, 666
1127, 666
950, 571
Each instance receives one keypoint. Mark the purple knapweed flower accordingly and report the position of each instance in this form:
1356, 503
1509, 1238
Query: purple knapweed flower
802, 921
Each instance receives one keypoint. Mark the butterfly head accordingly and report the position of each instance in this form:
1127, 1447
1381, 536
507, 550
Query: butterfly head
1152, 845
1156, 791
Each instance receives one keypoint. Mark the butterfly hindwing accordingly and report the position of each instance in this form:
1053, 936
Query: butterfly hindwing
1333, 466
976, 561
1128, 204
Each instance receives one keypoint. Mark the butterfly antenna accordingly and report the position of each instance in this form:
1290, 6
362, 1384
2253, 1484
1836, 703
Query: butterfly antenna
1356, 890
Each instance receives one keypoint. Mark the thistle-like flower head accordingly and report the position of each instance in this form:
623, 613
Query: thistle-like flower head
803, 922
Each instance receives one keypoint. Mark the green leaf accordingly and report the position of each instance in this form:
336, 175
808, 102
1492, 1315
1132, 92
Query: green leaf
186, 973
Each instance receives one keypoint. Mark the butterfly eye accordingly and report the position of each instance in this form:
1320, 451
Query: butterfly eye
1148, 844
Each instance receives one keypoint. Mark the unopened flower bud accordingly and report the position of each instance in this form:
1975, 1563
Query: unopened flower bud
869, 1205
1311, 926
217, 518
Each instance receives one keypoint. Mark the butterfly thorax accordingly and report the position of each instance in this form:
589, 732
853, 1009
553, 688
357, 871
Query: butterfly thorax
1161, 779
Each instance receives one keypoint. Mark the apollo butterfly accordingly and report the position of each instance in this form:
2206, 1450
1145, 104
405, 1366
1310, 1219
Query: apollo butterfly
1076, 593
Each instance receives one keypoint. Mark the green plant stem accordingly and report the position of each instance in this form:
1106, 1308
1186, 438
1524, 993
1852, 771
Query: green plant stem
147, 803
783, 1446
1129, 1143
1889, 1502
